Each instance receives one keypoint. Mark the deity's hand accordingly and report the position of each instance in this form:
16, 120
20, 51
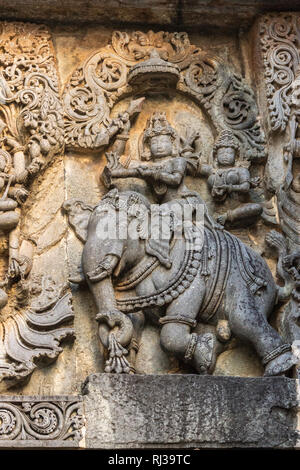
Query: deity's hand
22, 177
118, 122
146, 171
113, 161
19, 267
221, 219
224, 187
13, 143
20, 194
35, 166
254, 182
218, 192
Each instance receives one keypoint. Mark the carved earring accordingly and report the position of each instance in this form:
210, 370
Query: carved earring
146, 155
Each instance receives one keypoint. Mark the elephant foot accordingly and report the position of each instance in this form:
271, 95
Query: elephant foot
280, 364
205, 354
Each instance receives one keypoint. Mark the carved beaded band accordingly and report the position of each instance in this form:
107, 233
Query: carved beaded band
276, 352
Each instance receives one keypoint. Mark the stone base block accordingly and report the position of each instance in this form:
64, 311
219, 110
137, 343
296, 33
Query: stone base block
189, 411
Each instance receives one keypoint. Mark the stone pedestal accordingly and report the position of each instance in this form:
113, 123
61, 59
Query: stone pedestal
189, 411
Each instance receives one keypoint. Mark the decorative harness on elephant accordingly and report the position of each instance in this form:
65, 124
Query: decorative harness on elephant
197, 256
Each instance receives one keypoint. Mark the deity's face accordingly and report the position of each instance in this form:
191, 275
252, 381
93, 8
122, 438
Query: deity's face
161, 146
226, 156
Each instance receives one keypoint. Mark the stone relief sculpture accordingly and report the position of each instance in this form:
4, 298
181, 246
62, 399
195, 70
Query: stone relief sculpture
279, 44
31, 135
120, 69
228, 180
186, 220
208, 275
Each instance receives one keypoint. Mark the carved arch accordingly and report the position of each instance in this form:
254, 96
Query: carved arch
102, 80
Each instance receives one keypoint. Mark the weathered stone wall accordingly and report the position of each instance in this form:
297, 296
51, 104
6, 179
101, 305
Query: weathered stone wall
76, 174
238, 72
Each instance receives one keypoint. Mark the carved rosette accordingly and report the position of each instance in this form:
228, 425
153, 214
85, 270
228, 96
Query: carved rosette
41, 418
279, 43
102, 80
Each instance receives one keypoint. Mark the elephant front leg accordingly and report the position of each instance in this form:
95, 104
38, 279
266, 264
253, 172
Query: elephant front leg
176, 336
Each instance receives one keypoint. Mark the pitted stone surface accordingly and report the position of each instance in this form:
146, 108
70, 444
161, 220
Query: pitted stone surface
139, 411
225, 14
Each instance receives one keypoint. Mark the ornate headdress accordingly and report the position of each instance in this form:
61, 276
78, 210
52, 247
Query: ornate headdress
154, 67
226, 139
157, 124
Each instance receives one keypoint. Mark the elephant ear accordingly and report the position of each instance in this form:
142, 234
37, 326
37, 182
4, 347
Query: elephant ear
78, 217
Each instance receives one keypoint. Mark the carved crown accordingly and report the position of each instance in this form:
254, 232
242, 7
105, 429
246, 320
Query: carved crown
226, 139
158, 125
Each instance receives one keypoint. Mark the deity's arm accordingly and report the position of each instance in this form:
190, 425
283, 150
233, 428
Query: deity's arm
125, 173
174, 176
204, 169
119, 127
244, 182
19, 161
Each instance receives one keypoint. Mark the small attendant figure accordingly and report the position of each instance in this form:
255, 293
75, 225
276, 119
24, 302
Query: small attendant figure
228, 181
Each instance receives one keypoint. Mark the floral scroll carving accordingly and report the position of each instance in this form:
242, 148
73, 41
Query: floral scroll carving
31, 135
102, 80
34, 333
279, 41
31, 107
279, 37
31, 419
174, 47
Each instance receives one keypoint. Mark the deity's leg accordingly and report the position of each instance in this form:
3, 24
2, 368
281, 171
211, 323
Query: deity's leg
243, 215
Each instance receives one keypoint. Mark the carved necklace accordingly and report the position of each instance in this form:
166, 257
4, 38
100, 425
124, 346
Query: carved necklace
178, 284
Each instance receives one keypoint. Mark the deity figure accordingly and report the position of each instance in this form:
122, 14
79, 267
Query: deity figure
16, 173
166, 168
207, 276
227, 180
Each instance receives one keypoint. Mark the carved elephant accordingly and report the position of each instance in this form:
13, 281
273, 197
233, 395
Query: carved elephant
218, 280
